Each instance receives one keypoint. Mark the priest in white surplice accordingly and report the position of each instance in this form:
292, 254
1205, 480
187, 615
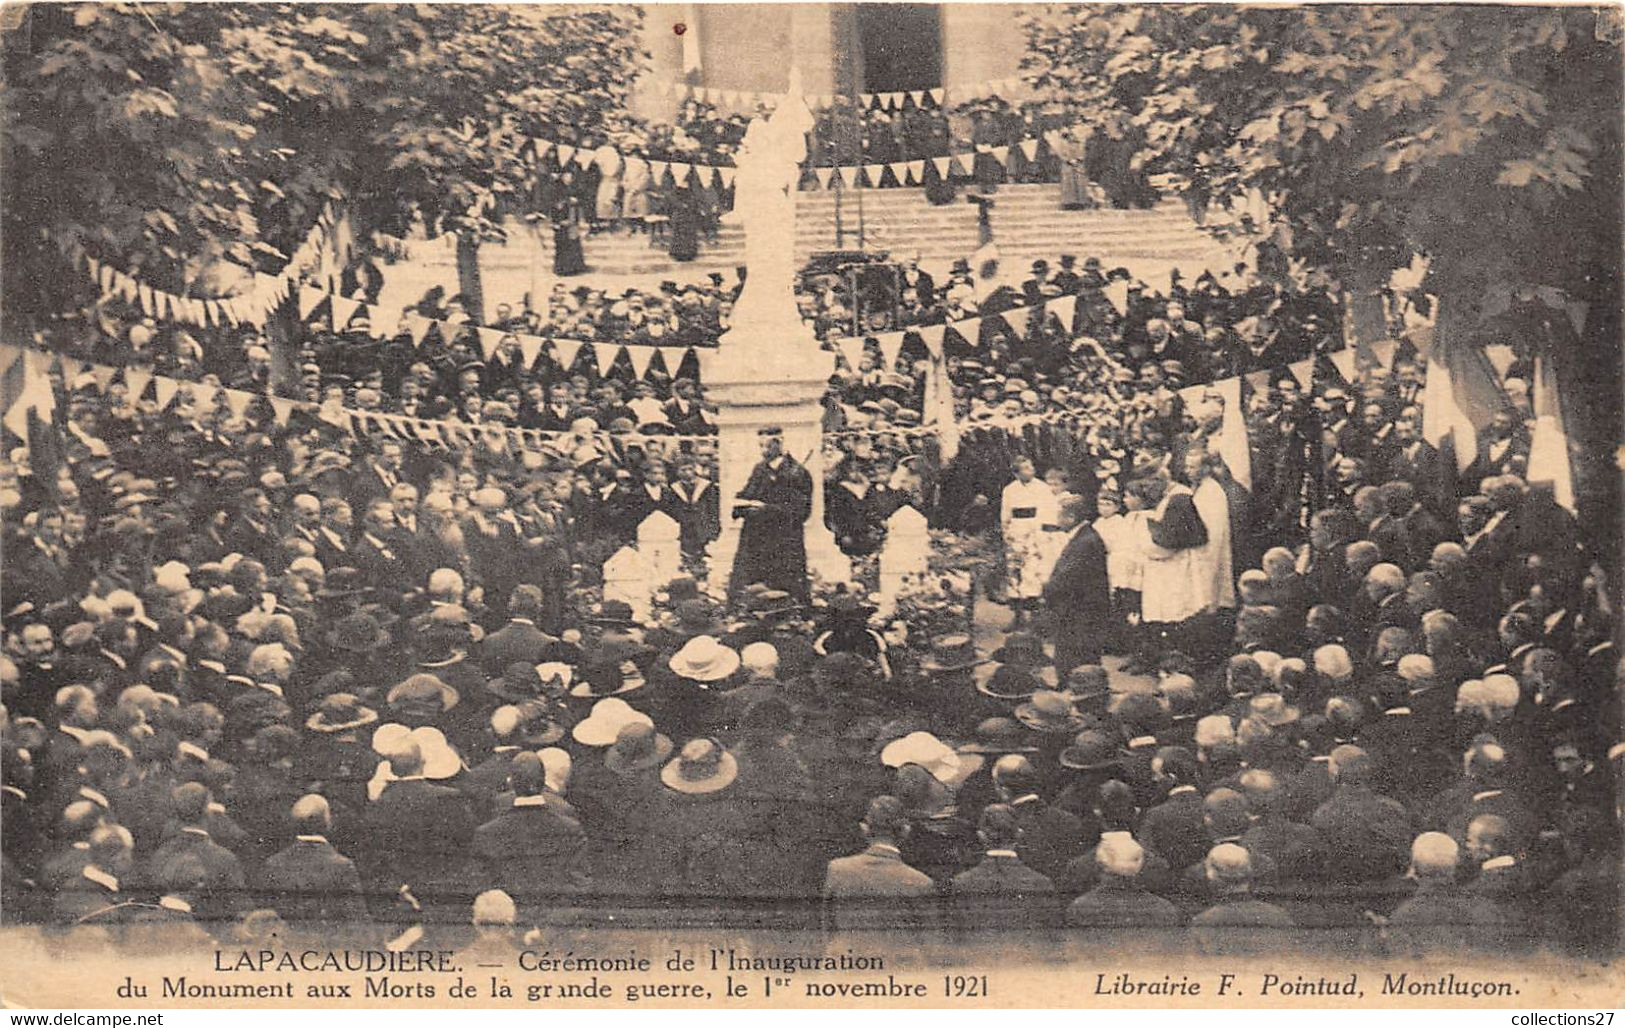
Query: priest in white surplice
1214, 578
1170, 592
1027, 505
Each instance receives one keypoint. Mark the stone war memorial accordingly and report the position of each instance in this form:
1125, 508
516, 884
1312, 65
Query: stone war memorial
854, 506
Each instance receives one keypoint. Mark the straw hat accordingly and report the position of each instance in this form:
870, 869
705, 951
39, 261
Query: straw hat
923, 748
704, 659
603, 726
702, 766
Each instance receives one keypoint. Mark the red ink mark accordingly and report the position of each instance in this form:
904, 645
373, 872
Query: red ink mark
679, 28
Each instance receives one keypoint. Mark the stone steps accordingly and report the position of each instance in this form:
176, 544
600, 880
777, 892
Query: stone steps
1027, 223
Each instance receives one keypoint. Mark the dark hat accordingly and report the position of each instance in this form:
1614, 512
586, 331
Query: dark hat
518, 682
1010, 683
613, 612
605, 678
422, 692
1091, 750
697, 616
1000, 735
537, 724
1050, 711
702, 766
637, 746
849, 605
340, 712
950, 653
357, 633
1023, 648
1087, 682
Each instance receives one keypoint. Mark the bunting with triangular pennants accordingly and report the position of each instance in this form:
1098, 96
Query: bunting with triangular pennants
889, 100
313, 303
26, 391
327, 247
970, 329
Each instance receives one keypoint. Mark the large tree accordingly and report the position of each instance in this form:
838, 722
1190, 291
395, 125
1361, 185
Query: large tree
1349, 139
1486, 138
167, 138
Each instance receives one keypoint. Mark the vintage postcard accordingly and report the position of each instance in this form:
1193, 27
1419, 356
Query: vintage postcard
810, 505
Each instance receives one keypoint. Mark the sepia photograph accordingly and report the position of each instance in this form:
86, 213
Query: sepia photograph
786, 505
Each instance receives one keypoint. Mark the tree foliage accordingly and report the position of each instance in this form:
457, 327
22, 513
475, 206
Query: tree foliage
165, 138
1349, 137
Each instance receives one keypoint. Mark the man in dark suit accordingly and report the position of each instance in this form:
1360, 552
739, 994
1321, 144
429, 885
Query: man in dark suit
377, 552
1050, 837
419, 831
878, 873
1367, 836
311, 881
519, 641
1120, 900
1175, 828
535, 847
378, 475
1440, 916
1078, 592
1231, 925
1001, 890
221, 893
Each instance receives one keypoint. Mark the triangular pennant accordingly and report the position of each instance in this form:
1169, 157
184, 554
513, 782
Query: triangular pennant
823, 176
583, 157
962, 163
344, 309
727, 177
1029, 149
1063, 308
103, 374
605, 354
127, 287
918, 96
1343, 361
891, 344
658, 171
281, 409
164, 390
916, 172
203, 395
874, 171
148, 302
899, 171
1384, 352
237, 401
530, 347
1016, 319
937, 94
565, 350
1258, 381
851, 348
1001, 154
942, 165
894, 100
309, 300
543, 148
565, 152
641, 357
1303, 371
932, 336
136, 380
70, 367
417, 327
489, 339
968, 329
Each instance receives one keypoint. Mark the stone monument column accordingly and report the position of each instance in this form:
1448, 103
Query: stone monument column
768, 368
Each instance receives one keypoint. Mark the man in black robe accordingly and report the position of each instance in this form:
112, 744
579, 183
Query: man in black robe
1078, 593
775, 505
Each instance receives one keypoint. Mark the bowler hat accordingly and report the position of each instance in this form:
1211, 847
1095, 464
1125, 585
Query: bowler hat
999, 735
1050, 711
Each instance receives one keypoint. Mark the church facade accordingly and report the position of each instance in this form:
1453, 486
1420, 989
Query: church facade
839, 48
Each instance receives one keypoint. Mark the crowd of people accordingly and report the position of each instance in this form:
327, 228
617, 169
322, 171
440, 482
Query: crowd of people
261, 666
